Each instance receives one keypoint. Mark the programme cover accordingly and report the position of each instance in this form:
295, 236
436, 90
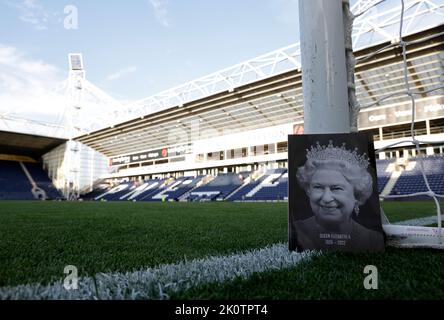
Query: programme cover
333, 196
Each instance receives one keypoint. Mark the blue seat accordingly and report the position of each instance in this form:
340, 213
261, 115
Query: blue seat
14, 185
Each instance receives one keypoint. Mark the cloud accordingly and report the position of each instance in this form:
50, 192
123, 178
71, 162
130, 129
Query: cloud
21, 75
34, 97
119, 74
161, 11
32, 12
26, 88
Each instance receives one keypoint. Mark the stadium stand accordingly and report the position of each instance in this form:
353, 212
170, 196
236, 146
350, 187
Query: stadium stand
14, 185
276, 190
269, 186
99, 188
133, 191
148, 190
178, 188
42, 180
412, 181
244, 186
217, 189
153, 187
116, 192
382, 174
254, 186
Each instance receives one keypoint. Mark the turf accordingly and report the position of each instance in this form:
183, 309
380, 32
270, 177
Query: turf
405, 210
402, 274
38, 239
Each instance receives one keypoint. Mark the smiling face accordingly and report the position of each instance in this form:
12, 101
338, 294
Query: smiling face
331, 197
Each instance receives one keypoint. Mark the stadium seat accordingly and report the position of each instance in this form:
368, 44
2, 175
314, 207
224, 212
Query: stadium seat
382, 175
42, 180
412, 181
270, 186
217, 189
176, 189
14, 185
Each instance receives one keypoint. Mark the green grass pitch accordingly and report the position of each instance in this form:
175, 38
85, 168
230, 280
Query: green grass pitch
38, 239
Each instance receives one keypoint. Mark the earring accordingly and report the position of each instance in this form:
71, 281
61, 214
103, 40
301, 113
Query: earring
356, 208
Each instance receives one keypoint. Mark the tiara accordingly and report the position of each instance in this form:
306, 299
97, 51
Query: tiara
331, 152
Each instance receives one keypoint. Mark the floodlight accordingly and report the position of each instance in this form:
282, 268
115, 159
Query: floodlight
75, 61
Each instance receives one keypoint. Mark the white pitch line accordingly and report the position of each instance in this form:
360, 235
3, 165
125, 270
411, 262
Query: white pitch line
158, 283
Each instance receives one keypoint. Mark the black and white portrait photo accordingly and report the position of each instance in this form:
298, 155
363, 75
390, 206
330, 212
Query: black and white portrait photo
333, 198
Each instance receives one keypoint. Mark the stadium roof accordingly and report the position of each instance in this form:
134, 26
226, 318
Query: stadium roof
277, 99
27, 145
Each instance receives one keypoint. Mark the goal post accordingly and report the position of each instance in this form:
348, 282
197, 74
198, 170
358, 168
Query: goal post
324, 73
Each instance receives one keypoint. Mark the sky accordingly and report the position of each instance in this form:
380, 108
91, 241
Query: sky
134, 49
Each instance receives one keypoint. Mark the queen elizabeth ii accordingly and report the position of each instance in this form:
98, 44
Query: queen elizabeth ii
337, 184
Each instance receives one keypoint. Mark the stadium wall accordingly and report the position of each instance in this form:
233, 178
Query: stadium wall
91, 166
